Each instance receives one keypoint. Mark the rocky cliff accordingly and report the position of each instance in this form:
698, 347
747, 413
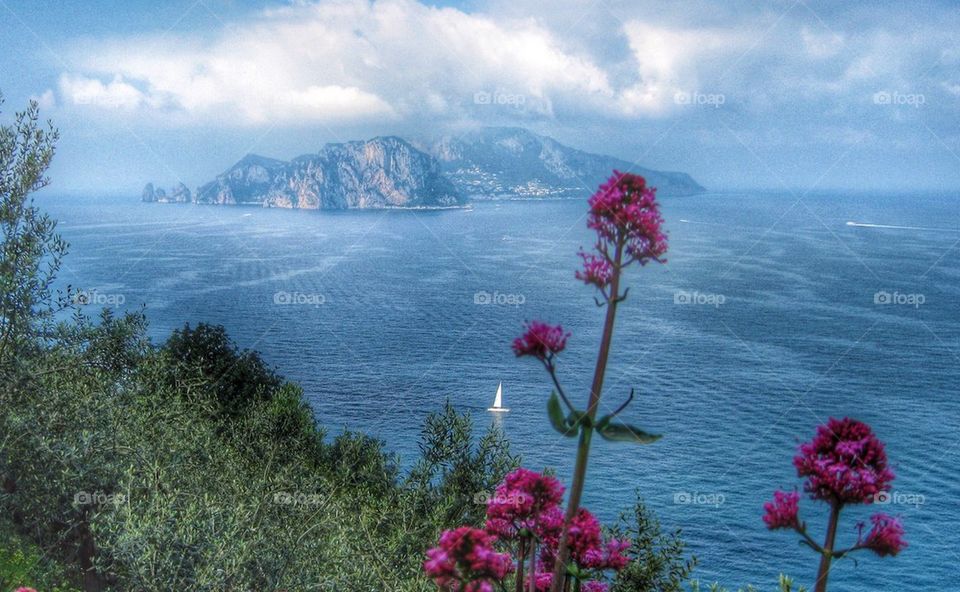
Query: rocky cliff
379, 173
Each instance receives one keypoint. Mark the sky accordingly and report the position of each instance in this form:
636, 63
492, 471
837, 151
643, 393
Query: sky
789, 95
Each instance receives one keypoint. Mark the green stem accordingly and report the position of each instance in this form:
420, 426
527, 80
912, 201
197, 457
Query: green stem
586, 430
826, 555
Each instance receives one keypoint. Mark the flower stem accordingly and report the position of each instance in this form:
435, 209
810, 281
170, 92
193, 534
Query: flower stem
586, 430
826, 555
533, 565
521, 562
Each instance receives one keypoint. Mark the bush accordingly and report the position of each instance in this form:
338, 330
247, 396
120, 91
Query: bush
660, 563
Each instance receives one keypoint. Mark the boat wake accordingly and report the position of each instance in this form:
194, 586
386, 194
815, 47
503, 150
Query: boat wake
894, 227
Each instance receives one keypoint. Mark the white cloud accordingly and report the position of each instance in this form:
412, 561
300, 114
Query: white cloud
339, 60
116, 94
669, 62
46, 100
355, 60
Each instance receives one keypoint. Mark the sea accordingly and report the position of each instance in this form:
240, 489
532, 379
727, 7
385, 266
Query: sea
773, 312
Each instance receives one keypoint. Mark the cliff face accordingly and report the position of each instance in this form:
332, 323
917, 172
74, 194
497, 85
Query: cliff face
514, 161
378, 173
247, 182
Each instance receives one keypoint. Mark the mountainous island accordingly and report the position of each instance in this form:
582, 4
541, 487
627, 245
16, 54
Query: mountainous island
508, 161
391, 172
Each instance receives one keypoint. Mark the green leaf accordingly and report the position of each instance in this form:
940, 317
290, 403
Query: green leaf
621, 432
557, 419
603, 421
573, 570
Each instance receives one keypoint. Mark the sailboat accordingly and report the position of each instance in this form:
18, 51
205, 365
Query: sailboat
498, 400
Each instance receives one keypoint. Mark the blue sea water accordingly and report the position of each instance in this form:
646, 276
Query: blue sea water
771, 315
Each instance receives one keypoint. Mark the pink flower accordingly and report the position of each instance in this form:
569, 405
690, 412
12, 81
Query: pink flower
608, 556
544, 579
25, 589
541, 341
614, 556
886, 536
587, 547
844, 463
596, 270
583, 536
783, 510
625, 208
465, 561
520, 500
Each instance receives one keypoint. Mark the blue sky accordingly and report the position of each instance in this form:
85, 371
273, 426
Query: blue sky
776, 95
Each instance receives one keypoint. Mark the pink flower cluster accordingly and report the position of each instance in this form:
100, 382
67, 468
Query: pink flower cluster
541, 341
588, 550
524, 509
520, 500
783, 511
465, 561
844, 463
596, 270
886, 536
624, 208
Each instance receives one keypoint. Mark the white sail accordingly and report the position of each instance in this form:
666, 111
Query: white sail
498, 400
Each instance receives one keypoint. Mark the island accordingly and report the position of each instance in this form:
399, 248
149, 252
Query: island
440, 172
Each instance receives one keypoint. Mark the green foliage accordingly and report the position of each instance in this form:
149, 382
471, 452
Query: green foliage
621, 432
30, 250
233, 379
22, 564
127, 472
659, 561
564, 425
785, 584
454, 477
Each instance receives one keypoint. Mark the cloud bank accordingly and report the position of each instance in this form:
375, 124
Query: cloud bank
348, 60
